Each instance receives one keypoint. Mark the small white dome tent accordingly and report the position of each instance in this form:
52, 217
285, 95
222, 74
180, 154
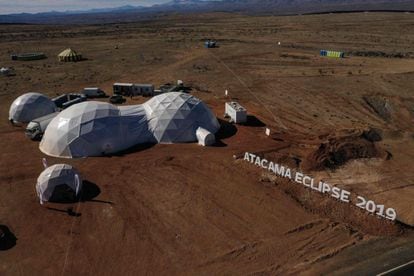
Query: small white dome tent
30, 106
174, 117
60, 182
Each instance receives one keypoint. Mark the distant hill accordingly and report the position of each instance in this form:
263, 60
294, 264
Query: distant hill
291, 6
277, 7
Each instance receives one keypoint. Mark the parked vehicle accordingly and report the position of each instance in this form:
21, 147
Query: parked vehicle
170, 87
6, 71
117, 99
66, 100
93, 92
74, 99
210, 44
37, 127
60, 100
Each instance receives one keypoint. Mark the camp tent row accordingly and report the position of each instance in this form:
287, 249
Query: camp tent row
69, 55
65, 56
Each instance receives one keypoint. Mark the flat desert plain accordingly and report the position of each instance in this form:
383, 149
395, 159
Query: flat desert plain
187, 209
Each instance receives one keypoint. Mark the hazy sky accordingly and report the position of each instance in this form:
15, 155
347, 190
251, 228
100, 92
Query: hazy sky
33, 6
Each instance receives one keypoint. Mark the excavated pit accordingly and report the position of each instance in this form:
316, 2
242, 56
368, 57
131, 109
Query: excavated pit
338, 148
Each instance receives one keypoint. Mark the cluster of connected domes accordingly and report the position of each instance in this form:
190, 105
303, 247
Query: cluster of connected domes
96, 129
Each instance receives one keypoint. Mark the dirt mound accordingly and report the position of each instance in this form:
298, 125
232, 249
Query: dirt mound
353, 217
329, 150
338, 148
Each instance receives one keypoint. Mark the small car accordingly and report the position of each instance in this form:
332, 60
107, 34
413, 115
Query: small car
117, 99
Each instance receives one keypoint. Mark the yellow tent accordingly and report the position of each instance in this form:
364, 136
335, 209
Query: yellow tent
69, 55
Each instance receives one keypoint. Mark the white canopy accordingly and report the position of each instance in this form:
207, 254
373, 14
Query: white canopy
57, 176
96, 128
69, 55
30, 106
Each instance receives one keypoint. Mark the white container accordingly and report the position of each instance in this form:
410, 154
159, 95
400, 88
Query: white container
236, 112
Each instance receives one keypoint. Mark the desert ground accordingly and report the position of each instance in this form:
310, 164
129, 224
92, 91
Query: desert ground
187, 209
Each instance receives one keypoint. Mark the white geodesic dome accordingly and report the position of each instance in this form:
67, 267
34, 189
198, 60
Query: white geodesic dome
174, 117
30, 106
55, 176
91, 129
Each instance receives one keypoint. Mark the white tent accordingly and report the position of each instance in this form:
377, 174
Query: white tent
69, 55
58, 182
30, 106
174, 117
93, 129
96, 129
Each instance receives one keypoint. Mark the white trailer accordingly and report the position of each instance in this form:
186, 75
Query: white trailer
133, 89
144, 89
236, 112
122, 88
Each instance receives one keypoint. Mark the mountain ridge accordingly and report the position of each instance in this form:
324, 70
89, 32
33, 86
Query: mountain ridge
277, 7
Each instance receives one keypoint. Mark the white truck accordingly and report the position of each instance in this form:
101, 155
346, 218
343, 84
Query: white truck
37, 127
93, 92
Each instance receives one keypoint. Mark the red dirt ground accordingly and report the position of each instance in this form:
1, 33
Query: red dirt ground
185, 209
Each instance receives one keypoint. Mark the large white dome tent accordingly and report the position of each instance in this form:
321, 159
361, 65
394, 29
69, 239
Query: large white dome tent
90, 129
97, 129
59, 182
174, 117
30, 106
